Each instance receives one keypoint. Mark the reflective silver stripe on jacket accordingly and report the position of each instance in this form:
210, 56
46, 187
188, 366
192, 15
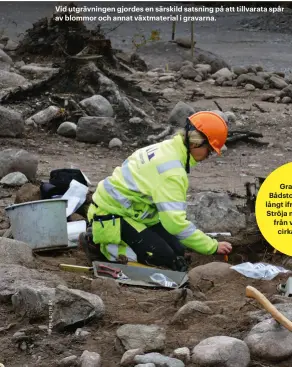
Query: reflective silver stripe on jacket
127, 175
114, 193
170, 206
186, 232
161, 168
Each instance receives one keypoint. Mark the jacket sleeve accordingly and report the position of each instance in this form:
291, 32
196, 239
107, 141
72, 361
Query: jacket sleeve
170, 200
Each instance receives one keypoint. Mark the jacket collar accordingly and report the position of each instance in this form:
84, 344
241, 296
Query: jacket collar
182, 150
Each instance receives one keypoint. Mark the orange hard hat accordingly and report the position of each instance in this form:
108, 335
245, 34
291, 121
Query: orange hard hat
213, 126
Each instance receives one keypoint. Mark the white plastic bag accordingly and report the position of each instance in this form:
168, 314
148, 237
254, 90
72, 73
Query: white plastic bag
259, 270
163, 280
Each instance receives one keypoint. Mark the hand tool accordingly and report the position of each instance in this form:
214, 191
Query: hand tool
75, 268
252, 292
226, 258
115, 273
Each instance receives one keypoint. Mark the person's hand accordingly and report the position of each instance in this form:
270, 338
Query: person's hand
122, 259
224, 248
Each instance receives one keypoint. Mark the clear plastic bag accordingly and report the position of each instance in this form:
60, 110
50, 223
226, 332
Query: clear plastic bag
259, 270
163, 280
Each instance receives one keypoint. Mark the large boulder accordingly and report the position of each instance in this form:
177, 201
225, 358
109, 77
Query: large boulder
33, 301
270, 341
97, 106
188, 72
215, 212
96, 129
11, 123
223, 74
73, 308
214, 272
146, 337
255, 80
12, 278
221, 351
278, 82
18, 160
15, 252
11, 80
179, 114
90, 359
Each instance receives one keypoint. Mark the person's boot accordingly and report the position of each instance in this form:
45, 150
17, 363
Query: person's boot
88, 246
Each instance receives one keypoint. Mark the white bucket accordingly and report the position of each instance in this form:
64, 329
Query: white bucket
40, 224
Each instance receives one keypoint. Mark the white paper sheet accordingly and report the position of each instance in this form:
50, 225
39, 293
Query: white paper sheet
75, 196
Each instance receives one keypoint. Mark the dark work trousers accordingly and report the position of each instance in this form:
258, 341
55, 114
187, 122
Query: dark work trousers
153, 246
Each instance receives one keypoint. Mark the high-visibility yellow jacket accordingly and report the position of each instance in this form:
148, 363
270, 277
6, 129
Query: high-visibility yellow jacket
151, 186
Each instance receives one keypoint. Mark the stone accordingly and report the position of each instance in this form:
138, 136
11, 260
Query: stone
166, 78
5, 58
14, 179
215, 212
215, 272
221, 350
11, 123
261, 315
19, 64
255, 80
224, 74
115, 143
82, 333
184, 42
198, 78
11, 45
179, 114
238, 70
97, 106
14, 277
159, 360
33, 302
135, 120
270, 341
38, 71
169, 92
249, 87
143, 365
286, 100
128, 357
152, 74
269, 97
11, 80
263, 74
147, 337
96, 129
278, 82
16, 252
191, 309
255, 68
205, 67
73, 307
67, 129
188, 72
45, 116
90, 359
28, 192
18, 160
183, 354
231, 117
71, 361
288, 90
4, 66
